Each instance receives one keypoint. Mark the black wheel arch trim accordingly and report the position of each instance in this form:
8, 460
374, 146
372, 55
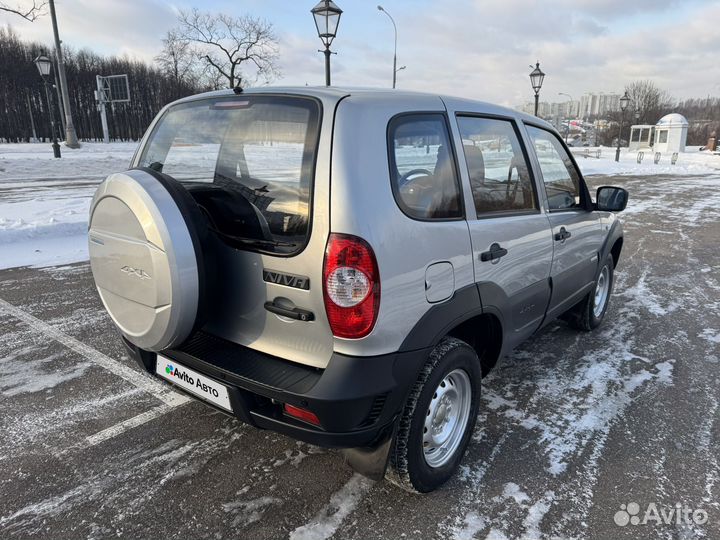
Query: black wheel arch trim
614, 234
467, 302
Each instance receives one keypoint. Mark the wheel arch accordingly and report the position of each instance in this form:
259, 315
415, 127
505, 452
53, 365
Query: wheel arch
484, 333
463, 317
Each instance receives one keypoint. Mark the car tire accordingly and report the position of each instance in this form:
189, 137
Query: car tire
589, 313
446, 394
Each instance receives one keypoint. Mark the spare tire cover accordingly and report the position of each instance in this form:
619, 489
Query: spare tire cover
144, 258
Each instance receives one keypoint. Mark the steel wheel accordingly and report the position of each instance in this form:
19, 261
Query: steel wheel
446, 418
602, 291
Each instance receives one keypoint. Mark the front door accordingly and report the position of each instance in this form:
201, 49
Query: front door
511, 241
576, 229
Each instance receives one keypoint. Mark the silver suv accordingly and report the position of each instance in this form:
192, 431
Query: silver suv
343, 266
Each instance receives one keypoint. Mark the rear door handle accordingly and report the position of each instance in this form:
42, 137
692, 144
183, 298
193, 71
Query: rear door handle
295, 313
495, 252
563, 235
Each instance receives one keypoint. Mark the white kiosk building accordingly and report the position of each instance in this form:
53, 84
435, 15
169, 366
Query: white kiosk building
671, 133
642, 137
667, 136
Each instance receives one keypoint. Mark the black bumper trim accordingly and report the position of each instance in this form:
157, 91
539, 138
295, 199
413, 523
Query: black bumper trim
344, 396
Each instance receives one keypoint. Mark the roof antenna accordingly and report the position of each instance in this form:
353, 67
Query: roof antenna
238, 89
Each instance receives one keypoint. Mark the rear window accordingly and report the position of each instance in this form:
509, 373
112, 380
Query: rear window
248, 161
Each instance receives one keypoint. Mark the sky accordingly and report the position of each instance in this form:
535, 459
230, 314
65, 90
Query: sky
479, 49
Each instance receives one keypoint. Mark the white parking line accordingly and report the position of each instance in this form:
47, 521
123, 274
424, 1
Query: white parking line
342, 503
130, 423
136, 378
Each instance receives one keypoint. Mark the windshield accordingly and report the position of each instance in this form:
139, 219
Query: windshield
248, 161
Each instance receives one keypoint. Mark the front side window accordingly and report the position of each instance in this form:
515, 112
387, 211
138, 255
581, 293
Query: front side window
422, 167
561, 179
662, 136
499, 174
247, 161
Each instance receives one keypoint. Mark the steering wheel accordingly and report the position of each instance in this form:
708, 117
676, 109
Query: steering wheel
405, 178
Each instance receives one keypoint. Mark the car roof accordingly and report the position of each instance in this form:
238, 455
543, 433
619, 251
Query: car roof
335, 93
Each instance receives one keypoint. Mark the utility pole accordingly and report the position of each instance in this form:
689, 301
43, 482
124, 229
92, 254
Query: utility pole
102, 100
70, 135
63, 122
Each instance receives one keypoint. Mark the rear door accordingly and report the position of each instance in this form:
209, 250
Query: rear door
511, 242
257, 165
576, 229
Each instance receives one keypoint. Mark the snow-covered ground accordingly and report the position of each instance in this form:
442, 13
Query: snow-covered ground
691, 162
44, 201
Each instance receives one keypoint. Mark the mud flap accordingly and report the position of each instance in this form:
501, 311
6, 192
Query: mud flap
371, 462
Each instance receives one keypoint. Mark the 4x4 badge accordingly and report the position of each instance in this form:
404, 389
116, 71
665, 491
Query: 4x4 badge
289, 280
138, 272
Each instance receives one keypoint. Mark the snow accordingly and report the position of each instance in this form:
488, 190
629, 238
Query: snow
44, 201
691, 162
342, 503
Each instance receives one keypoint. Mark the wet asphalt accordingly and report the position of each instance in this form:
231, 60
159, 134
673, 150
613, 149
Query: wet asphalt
575, 429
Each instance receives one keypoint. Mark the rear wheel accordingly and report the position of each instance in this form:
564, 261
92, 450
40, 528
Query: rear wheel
438, 418
589, 313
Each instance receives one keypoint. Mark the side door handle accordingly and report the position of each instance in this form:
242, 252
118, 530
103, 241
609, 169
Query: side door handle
495, 252
563, 235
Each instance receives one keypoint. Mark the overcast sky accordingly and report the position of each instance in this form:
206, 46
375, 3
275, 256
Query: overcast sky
472, 48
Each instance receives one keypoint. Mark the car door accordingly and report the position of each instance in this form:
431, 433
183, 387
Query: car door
510, 234
576, 229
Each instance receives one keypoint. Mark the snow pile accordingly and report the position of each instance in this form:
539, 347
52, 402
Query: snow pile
44, 201
691, 162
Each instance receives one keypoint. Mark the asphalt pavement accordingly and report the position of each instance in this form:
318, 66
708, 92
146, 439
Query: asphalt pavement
609, 434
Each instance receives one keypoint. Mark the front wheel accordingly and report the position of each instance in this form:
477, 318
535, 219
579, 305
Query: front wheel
438, 418
589, 313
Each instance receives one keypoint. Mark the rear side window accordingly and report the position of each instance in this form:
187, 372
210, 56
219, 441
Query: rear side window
561, 179
499, 174
422, 167
248, 161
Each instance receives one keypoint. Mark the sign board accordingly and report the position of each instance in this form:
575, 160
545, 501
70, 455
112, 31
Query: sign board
114, 88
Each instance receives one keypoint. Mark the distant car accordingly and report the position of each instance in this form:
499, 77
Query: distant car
343, 266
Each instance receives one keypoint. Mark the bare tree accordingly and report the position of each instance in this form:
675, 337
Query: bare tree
240, 50
178, 59
649, 100
28, 12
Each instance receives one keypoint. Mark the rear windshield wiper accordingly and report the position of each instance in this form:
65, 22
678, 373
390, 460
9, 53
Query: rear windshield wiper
258, 242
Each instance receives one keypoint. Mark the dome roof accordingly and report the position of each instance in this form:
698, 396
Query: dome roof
672, 119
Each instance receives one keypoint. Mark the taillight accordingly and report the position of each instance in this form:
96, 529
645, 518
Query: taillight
351, 286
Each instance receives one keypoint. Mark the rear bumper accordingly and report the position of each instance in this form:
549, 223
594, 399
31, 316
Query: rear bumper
356, 399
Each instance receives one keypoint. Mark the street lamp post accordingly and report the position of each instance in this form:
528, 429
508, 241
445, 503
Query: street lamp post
567, 125
624, 102
536, 80
70, 135
44, 65
395, 68
327, 19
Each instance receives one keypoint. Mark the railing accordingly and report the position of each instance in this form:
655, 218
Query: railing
586, 152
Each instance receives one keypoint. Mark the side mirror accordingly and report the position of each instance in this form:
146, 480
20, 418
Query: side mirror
611, 199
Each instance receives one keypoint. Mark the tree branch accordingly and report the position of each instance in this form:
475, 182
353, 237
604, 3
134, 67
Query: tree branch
31, 13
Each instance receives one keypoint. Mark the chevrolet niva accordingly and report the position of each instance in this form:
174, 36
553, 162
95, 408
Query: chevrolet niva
344, 265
